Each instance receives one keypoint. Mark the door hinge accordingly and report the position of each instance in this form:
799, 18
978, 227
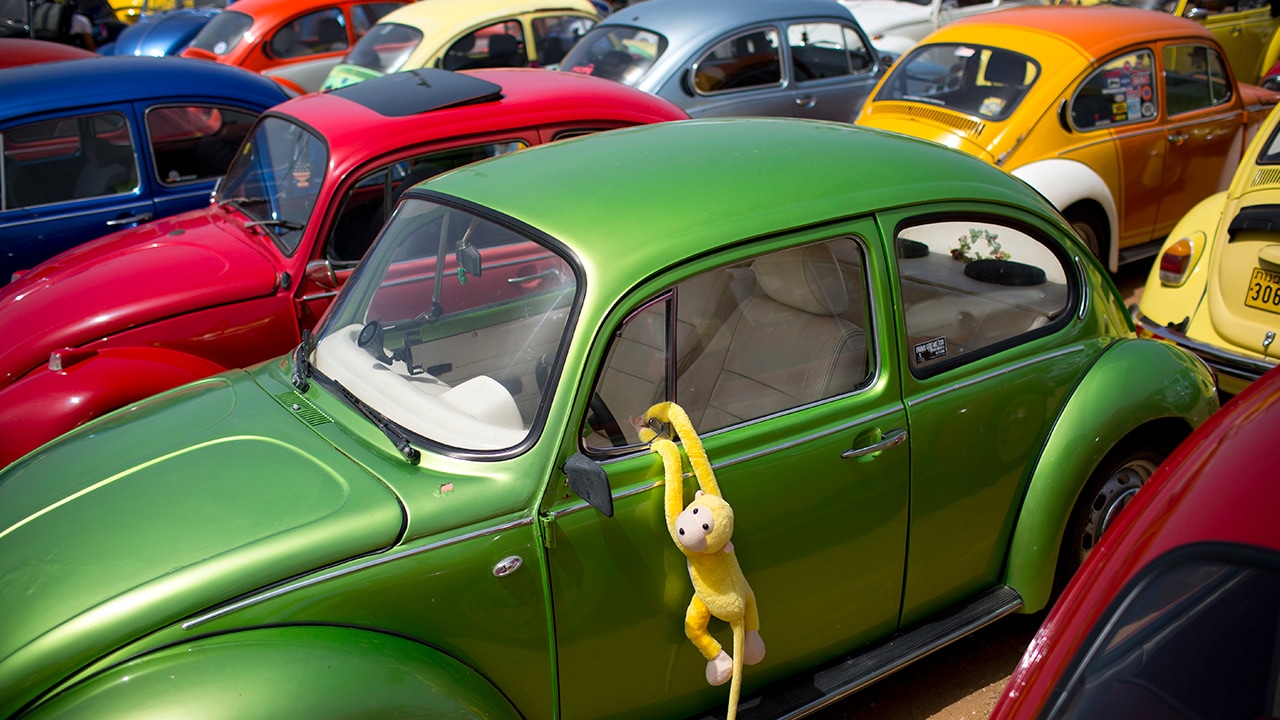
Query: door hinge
546, 528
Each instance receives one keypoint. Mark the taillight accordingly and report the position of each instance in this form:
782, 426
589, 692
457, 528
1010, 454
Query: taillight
1175, 261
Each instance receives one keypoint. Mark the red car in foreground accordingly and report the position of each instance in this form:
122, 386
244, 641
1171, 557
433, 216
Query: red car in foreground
144, 310
1176, 613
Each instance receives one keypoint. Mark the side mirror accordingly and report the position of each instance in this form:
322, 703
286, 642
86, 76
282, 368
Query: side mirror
468, 258
321, 273
590, 482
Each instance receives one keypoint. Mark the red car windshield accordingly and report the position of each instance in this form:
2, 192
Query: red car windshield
275, 180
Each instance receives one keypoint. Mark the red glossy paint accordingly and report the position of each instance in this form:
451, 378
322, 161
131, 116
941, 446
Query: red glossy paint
25, 51
1218, 486
205, 285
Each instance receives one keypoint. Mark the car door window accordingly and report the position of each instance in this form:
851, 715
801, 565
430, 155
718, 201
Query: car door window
1195, 638
366, 16
553, 36
970, 287
497, 45
369, 202
318, 32
750, 60
743, 341
1195, 77
194, 142
69, 158
826, 50
1121, 92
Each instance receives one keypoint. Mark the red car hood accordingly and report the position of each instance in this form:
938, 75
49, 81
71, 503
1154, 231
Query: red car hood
172, 266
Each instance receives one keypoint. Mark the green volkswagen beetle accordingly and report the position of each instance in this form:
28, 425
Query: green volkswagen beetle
920, 393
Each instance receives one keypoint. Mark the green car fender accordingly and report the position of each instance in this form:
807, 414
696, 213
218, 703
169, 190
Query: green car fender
283, 672
1135, 387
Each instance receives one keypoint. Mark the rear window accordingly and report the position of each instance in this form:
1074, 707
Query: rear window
223, 32
616, 52
385, 47
981, 81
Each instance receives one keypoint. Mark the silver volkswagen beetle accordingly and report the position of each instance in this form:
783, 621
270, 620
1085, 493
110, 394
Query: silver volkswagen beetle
801, 58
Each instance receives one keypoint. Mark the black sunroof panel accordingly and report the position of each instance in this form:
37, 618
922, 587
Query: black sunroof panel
418, 91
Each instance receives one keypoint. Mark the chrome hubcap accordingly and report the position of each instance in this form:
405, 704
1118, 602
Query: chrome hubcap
1111, 498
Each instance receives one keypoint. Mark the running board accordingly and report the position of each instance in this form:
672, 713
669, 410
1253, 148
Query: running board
1140, 252
811, 691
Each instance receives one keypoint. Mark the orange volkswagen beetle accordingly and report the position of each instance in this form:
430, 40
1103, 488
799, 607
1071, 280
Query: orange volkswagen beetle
263, 34
1122, 118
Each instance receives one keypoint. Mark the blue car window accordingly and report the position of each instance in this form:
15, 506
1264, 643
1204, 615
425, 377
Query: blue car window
73, 158
195, 142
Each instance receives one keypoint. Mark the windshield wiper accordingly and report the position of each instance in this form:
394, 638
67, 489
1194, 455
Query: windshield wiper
274, 222
238, 201
302, 363
397, 438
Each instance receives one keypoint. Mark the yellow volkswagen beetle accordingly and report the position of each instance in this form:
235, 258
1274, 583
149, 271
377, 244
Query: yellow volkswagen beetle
1122, 118
1215, 289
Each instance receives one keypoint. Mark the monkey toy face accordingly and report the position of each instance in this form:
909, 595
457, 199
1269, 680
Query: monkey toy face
706, 525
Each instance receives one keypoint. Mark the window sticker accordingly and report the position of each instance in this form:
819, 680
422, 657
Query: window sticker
931, 350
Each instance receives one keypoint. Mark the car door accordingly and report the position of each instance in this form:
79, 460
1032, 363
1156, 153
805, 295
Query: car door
1205, 122
979, 294
1115, 110
68, 179
833, 68
799, 412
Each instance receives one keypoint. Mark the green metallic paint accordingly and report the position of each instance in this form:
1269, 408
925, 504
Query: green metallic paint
662, 217
284, 672
168, 522
1133, 382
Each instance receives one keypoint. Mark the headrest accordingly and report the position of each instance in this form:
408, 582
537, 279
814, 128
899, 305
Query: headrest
1006, 68
806, 278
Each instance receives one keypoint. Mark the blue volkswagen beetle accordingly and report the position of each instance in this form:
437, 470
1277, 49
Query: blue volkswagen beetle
96, 145
714, 58
164, 32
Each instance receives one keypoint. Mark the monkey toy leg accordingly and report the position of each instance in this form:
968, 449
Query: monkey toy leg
719, 664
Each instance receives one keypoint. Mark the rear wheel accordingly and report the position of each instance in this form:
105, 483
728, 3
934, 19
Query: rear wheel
1113, 484
1089, 227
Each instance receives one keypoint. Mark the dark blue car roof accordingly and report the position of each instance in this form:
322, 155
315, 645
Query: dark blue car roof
92, 81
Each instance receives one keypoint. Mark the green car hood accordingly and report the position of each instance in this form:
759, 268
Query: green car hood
162, 509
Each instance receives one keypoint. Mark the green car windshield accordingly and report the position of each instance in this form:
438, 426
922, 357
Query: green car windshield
451, 328
275, 179
975, 80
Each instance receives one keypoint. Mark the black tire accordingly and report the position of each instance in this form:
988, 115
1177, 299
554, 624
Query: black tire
1110, 488
1091, 229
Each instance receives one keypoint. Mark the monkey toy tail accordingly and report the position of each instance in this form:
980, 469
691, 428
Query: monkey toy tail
735, 682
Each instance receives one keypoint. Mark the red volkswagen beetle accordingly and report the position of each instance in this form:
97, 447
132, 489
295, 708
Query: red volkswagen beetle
144, 310
1176, 613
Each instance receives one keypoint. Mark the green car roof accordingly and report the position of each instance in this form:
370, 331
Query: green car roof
666, 192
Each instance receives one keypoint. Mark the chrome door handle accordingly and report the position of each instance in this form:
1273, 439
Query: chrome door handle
891, 439
140, 217
806, 101
1178, 139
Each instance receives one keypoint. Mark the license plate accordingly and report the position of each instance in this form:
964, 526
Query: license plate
1263, 292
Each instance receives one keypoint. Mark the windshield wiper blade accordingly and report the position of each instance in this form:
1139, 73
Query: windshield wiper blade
302, 363
237, 201
274, 222
397, 438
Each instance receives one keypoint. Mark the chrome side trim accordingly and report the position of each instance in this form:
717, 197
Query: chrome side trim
339, 572
996, 373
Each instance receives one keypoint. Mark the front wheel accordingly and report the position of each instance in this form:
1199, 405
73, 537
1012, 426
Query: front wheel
1089, 227
1113, 484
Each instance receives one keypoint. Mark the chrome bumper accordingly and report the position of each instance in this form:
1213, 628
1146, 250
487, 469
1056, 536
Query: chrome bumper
1237, 369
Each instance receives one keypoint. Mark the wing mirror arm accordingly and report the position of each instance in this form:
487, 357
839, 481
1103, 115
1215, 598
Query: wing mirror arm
589, 481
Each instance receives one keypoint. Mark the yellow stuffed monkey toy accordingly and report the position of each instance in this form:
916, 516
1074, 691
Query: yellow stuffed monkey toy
702, 532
